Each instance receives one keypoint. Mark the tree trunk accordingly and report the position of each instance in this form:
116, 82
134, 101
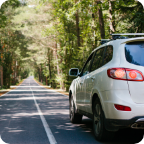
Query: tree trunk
46, 81
62, 83
9, 80
111, 15
58, 69
49, 65
61, 72
101, 21
94, 44
15, 74
1, 76
41, 74
77, 27
56, 57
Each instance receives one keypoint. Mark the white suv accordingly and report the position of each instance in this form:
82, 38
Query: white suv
110, 87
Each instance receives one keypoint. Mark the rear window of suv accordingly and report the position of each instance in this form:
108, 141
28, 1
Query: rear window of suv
134, 53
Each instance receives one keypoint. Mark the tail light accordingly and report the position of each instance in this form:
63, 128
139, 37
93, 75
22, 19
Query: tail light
122, 108
125, 74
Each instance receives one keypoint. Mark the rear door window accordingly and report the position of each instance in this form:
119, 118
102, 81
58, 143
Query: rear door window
98, 59
108, 54
134, 53
87, 65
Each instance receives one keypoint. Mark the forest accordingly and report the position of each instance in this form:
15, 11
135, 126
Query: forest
45, 38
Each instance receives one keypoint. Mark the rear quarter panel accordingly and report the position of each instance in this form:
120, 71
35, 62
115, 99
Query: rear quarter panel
103, 82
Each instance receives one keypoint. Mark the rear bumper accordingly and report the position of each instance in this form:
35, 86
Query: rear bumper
121, 97
115, 124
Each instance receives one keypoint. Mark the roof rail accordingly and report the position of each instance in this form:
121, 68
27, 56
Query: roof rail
122, 36
103, 41
129, 34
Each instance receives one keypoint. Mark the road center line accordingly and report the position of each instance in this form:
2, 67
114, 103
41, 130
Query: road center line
45, 124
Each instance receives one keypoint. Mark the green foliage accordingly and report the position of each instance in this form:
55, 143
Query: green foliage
10, 4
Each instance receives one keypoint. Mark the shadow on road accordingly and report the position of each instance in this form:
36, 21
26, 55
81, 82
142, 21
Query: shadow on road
20, 121
123, 136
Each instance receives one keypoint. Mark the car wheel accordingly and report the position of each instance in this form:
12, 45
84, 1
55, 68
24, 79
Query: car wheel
74, 117
100, 132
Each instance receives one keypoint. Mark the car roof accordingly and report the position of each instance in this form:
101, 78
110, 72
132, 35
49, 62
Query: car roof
120, 41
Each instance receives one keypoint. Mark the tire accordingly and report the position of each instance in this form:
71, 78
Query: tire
74, 117
100, 133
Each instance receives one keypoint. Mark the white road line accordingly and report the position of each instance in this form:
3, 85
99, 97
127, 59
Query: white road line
45, 124
30, 86
29, 90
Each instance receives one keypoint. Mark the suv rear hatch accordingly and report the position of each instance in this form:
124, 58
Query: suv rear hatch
134, 53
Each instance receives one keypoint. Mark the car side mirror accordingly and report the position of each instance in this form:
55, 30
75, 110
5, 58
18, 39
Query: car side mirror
74, 72
79, 74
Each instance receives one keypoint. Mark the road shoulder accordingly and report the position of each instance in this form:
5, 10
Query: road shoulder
2, 92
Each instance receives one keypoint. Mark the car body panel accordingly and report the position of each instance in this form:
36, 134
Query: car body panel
136, 88
111, 91
80, 93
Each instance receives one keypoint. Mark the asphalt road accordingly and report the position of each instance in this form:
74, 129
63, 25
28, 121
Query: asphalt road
32, 114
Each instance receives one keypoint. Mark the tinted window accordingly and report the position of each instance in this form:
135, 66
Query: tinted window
134, 53
98, 59
108, 54
87, 65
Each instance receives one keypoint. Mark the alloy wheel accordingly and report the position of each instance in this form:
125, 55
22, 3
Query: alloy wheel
71, 108
97, 119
